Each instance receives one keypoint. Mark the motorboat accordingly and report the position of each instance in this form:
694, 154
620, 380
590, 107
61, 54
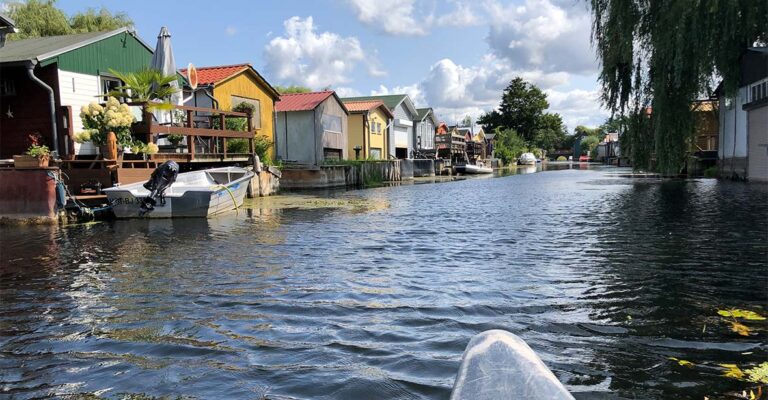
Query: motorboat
526, 159
499, 365
169, 194
473, 169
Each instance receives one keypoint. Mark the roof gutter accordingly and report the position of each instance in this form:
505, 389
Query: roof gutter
52, 101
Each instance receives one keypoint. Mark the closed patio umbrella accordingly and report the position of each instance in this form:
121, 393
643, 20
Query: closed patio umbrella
163, 61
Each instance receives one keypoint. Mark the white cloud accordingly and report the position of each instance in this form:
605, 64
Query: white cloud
412, 17
304, 57
462, 15
413, 91
542, 35
455, 91
577, 107
230, 31
396, 18
347, 92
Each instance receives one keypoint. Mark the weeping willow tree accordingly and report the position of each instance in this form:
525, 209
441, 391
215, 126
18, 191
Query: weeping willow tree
660, 55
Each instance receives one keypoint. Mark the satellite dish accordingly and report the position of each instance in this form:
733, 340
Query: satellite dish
192, 76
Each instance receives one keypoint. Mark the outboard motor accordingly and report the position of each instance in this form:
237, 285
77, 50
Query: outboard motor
162, 178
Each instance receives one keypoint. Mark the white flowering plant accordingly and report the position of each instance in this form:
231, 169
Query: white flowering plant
111, 117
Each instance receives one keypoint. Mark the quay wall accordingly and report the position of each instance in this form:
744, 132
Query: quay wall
265, 183
733, 168
352, 175
27, 196
422, 168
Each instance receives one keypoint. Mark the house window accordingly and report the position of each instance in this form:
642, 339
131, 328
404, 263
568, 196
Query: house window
109, 84
331, 123
375, 153
256, 116
376, 127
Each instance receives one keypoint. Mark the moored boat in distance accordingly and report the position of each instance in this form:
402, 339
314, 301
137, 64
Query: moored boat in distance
193, 194
473, 169
526, 159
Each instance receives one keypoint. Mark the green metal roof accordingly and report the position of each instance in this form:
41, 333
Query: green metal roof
391, 101
40, 49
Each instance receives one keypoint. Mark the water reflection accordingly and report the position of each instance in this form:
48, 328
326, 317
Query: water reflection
375, 293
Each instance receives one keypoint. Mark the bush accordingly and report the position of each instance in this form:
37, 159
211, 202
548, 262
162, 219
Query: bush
237, 145
509, 145
562, 158
711, 172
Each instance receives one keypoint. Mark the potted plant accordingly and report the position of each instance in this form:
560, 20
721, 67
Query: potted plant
112, 117
175, 140
37, 155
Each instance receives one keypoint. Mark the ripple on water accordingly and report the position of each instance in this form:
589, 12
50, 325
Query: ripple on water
606, 278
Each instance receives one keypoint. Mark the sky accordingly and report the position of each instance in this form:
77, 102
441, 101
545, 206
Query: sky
455, 56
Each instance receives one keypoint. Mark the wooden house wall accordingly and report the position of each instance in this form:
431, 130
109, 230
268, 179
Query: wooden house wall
30, 109
247, 86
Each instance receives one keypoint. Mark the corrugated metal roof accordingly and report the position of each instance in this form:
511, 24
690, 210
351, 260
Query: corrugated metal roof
366, 105
359, 106
39, 49
301, 101
391, 101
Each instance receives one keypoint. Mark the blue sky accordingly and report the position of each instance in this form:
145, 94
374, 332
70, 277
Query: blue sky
453, 55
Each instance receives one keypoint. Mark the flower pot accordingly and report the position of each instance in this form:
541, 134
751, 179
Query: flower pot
30, 162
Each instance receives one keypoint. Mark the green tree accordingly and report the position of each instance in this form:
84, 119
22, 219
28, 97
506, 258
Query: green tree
35, 18
664, 54
467, 121
522, 105
292, 89
38, 18
588, 144
550, 132
508, 145
145, 85
582, 130
103, 20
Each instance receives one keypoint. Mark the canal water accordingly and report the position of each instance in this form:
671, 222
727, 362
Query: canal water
374, 294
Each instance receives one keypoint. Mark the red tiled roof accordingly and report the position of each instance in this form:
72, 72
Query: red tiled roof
301, 101
212, 75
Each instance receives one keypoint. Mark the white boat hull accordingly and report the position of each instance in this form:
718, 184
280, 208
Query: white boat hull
192, 195
472, 169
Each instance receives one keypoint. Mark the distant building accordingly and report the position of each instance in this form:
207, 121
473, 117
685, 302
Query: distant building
44, 82
224, 87
425, 129
311, 128
6, 26
743, 127
368, 122
402, 132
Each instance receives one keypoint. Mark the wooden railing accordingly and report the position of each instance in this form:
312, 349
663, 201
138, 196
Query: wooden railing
152, 128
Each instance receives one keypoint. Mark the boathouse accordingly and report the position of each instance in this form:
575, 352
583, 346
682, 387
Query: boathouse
224, 87
311, 128
44, 82
368, 122
743, 132
426, 124
402, 132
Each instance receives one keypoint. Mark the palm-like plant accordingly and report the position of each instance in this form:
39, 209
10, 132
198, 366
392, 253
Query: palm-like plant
146, 86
